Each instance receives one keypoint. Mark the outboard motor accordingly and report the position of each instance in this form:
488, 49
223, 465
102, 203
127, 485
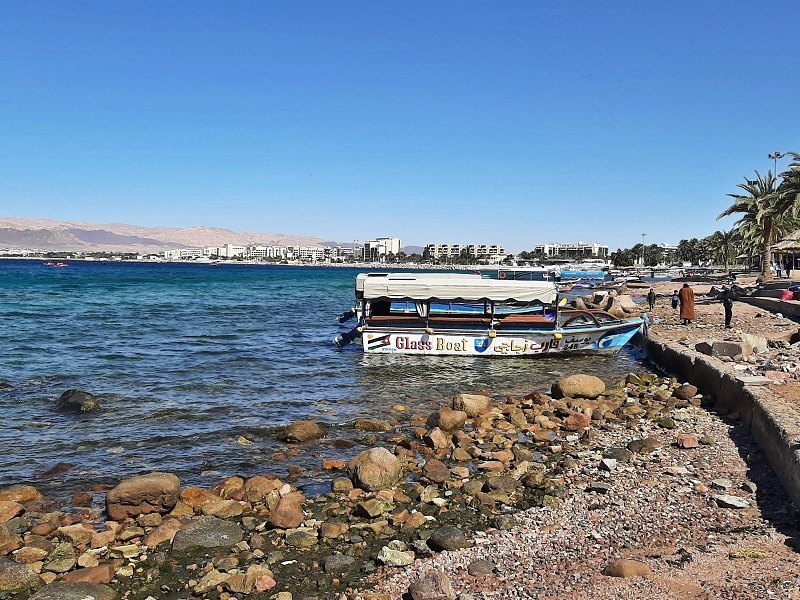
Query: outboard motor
343, 339
346, 315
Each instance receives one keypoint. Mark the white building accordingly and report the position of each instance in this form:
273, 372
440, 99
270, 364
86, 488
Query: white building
379, 248
183, 254
490, 252
576, 250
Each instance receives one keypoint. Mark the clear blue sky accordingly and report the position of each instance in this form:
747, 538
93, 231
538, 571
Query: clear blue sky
513, 122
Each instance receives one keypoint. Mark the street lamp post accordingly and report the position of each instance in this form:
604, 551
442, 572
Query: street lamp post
644, 234
775, 156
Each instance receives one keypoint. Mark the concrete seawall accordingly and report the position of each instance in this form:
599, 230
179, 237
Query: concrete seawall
773, 423
788, 308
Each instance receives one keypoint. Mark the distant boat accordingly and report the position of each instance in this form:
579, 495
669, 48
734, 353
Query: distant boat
50, 263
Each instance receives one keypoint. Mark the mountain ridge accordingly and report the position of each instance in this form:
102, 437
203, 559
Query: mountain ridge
50, 234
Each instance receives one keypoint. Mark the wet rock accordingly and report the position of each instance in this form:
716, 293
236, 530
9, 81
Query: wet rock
685, 392
645, 446
302, 431
341, 485
163, 533
437, 439
207, 532
151, 493
375, 469
301, 538
436, 471
259, 487
15, 577
627, 568
480, 568
61, 559
448, 419
338, 563
288, 514
19, 493
63, 590
9, 540
434, 585
369, 425
578, 386
730, 501
210, 504
447, 538
472, 404
395, 558
9, 510
77, 401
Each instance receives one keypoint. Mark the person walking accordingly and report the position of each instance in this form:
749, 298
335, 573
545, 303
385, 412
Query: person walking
651, 299
727, 304
675, 300
778, 269
686, 296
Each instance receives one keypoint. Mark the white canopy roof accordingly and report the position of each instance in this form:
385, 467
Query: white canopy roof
453, 286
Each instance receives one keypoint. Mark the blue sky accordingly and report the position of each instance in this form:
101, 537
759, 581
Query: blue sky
514, 122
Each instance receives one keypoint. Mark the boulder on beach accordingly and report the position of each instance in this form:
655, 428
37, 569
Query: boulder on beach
578, 386
143, 494
19, 493
207, 532
448, 419
17, 578
302, 431
685, 392
375, 469
64, 590
434, 585
9, 540
288, 514
627, 568
472, 404
77, 401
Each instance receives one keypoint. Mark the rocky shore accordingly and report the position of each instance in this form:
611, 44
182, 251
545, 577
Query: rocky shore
631, 489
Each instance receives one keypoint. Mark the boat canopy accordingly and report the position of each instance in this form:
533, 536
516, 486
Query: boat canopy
410, 286
362, 277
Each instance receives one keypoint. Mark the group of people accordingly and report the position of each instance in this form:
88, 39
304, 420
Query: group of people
685, 299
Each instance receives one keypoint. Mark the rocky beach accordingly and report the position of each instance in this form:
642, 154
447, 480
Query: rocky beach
589, 489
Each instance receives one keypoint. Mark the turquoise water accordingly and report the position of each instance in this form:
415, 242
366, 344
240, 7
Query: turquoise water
187, 358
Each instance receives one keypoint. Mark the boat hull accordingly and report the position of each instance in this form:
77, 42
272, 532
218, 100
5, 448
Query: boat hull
608, 339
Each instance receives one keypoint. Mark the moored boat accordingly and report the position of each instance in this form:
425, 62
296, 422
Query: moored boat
468, 315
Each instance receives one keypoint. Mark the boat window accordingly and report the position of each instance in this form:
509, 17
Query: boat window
579, 321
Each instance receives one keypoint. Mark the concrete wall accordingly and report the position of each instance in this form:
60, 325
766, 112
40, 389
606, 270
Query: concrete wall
788, 308
773, 423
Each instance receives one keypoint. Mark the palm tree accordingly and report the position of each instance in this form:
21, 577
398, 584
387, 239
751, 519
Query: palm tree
720, 243
759, 215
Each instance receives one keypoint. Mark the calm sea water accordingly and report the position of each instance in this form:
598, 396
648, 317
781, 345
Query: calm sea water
187, 358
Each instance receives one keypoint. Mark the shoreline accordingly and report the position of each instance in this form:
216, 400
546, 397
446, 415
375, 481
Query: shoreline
569, 473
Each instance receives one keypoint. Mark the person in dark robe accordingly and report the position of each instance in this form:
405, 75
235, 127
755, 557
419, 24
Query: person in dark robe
727, 304
651, 299
686, 296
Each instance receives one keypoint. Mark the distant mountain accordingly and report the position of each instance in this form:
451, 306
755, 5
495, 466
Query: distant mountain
413, 249
46, 234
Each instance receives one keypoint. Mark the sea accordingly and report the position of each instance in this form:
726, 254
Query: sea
198, 366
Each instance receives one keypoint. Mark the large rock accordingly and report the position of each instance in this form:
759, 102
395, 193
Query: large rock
302, 431
15, 577
63, 590
9, 540
447, 538
209, 503
685, 392
19, 493
207, 532
627, 568
472, 404
77, 401
448, 419
375, 469
578, 386
9, 510
143, 494
163, 533
731, 349
61, 559
100, 574
434, 585
288, 514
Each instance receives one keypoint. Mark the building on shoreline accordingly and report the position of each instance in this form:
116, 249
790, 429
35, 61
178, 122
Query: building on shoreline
488, 252
379, 249
576, 250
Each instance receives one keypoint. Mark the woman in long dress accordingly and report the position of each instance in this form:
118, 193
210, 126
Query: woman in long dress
686, 296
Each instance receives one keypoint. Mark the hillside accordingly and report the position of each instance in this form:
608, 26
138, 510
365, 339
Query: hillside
46, 234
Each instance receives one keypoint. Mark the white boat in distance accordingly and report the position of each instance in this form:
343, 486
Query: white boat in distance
462, 314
